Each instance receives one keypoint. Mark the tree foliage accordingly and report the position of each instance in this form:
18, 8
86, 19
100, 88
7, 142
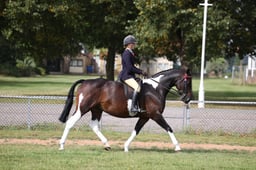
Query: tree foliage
110, 27
42, 29
174, 28
51, 29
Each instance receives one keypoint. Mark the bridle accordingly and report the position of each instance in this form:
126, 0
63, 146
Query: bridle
174, 91
184, 92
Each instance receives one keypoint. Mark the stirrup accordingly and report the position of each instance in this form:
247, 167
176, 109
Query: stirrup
133, 113
136, 111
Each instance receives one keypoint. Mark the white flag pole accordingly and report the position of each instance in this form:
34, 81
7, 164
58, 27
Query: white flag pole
201, 86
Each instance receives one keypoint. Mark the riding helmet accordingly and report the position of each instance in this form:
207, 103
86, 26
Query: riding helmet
129, 39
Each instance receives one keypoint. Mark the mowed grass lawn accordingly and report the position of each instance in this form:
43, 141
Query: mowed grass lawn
215, 89
39, 157
48, 157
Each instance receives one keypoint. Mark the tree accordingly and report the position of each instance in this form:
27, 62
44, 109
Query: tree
174, 28
241, 33
163, 26
51, 29
43, 30
6, 52
110, 27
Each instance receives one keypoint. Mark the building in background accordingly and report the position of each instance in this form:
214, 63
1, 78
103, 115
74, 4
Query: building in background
156, 65
249, 62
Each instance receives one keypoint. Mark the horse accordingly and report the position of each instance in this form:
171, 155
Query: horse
98, 95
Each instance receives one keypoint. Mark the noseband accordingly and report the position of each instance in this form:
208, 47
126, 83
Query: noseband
185, 86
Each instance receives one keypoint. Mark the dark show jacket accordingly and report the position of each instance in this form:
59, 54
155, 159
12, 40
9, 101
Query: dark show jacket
128, 68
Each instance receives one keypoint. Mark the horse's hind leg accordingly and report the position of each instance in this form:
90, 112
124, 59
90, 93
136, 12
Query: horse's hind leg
96, 116
161, 121
70, 123
140, 123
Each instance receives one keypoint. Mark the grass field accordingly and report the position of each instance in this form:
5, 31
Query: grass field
215, 89
38, 156
24, 157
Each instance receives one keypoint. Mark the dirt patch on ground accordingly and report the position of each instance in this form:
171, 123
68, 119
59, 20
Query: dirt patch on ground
134, 144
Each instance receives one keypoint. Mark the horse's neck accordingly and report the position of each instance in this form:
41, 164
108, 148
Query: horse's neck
165, 86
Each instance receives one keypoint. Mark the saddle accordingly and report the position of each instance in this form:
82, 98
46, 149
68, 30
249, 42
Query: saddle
128, 91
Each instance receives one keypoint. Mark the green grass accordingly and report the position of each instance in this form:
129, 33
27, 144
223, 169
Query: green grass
224, 89
30, 156
215, 89
40, 157
47, 85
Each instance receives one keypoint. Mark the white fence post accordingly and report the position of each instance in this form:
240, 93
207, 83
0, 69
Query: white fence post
186, 116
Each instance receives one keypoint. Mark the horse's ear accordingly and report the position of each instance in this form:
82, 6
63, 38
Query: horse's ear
188, 72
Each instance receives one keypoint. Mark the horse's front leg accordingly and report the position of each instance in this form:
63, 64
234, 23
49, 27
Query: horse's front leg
140, 123
162, 122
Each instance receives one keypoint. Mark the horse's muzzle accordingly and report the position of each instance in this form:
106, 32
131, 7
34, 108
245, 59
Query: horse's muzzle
186, 98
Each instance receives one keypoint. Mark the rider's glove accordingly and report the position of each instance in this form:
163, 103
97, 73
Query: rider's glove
145, 74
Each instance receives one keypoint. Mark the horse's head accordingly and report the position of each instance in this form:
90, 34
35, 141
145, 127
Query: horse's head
184, 86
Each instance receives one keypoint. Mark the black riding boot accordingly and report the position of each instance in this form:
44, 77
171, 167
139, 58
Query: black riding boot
135, 108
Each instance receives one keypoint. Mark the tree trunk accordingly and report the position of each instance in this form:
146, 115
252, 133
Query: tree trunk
110, 63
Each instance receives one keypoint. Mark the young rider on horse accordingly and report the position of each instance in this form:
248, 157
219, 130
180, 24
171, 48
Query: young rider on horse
128, 72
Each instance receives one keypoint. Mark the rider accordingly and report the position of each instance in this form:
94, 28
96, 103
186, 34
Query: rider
129, 70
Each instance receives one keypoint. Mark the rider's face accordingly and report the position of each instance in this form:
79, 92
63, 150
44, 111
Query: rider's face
131, 46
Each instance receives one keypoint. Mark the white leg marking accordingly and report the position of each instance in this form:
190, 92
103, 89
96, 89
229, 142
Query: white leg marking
70, 123
174, 141
95, 127
128, 142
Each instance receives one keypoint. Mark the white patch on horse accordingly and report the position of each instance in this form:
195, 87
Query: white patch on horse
153, 81
81, 97
78, 114
129, 104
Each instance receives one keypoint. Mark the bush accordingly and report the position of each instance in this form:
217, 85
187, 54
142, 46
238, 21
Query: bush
40, 71
27, 67
218, 66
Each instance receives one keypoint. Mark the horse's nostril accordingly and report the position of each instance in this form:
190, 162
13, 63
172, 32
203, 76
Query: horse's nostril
187, 100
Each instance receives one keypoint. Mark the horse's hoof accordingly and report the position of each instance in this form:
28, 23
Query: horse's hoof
61, 149
177, 149
107, 148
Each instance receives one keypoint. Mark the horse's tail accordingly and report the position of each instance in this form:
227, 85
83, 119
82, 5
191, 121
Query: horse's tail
69, 102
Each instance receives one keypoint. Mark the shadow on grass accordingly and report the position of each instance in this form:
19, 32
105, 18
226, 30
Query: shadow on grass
171, 151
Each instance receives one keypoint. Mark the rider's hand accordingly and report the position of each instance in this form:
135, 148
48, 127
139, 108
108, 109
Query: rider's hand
145, 74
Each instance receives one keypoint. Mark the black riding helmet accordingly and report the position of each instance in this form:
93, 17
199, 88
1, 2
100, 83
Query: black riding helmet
129, 39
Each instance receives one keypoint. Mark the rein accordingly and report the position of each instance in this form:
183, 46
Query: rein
174, 92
